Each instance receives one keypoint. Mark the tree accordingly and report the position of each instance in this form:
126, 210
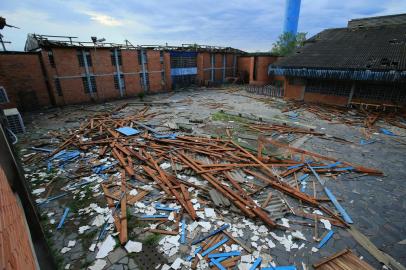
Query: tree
287, 43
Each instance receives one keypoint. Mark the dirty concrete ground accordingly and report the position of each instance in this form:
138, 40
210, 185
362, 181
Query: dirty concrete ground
377, 204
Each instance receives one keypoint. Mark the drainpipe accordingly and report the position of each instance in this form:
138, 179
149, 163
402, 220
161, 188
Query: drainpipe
120, 84
89, 81
144, 76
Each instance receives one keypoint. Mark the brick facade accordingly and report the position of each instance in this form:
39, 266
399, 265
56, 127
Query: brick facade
155, 68
70, 74
327, 99
56, 76
295, 90
22, 77
15, 250
204, 67
244, 68
255, 68
131, 69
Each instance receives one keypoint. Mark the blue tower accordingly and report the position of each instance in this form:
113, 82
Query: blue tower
291, 16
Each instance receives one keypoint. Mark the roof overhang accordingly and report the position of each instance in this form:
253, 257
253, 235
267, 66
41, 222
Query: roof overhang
340, 74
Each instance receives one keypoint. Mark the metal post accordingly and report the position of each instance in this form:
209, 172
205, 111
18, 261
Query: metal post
120, 84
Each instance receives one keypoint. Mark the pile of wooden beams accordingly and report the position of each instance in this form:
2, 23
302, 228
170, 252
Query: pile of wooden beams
282, 129
341, 115
139, 157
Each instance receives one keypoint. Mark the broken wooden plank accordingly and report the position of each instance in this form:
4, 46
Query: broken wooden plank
344, 259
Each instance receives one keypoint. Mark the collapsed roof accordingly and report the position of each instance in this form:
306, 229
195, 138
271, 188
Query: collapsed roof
37, 42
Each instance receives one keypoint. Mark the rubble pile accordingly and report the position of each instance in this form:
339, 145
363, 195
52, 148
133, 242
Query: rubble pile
216, 203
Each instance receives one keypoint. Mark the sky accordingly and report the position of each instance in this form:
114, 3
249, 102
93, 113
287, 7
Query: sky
247, 25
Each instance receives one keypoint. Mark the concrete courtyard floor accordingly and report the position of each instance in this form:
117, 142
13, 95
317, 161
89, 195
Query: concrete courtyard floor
377, 204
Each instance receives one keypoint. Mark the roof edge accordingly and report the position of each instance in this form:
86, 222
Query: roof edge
344, 74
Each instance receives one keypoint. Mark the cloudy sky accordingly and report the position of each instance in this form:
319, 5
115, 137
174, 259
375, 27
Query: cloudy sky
249, 25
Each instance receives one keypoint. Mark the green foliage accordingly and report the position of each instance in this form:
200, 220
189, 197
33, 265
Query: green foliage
87, 238
58, 258
133, 223
141, 95
223, 116
287, 43
80, 203
152, 239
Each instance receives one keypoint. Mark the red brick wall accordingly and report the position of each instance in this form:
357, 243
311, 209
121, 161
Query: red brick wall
101, 64
22, 77
230, 64
246, 64
297, 92
203, 63
292, 91
15, 247
262, 63
218, 73
327, 99
51, 73
130, 68
244, 67
167, 67
154, 67
67, 67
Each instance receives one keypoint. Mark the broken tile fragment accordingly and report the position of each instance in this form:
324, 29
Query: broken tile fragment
106, 247
133, 246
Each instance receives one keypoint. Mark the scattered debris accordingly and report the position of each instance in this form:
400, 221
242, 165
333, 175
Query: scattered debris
106, 247
98, 265
133, 246
204, 201
343, 260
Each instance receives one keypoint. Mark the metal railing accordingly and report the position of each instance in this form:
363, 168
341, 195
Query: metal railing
266, 90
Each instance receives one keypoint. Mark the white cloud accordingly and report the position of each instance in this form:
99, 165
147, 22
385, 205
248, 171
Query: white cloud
103, 18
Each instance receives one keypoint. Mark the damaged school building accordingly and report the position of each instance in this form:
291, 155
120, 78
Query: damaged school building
75, 72
122, 156
61, 71
363, 63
